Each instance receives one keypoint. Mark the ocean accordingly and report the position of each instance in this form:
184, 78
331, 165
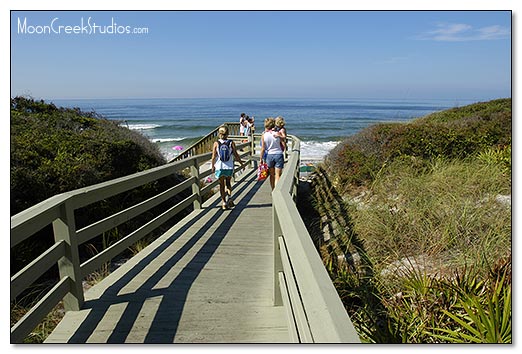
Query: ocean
320, 123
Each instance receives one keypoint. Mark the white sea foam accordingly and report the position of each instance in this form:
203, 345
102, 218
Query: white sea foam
143, 126
154, 140
169, 154
310, 150
315, 150
167, 150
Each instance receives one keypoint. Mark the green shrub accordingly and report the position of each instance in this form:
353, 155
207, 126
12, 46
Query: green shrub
54, 150
480, 109
455, 133
353, 167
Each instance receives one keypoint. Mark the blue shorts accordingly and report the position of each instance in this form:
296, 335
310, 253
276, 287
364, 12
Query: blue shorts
224, 173
275, 160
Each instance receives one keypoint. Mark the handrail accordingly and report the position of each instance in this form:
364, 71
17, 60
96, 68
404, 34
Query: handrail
301, 280
205, 143
59, 211
302, 284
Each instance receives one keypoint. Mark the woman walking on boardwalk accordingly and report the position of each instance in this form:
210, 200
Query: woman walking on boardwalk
223, 154
271, 144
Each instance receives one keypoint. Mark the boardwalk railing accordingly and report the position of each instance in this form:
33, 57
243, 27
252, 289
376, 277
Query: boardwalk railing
205, 143
301, 283
59, 211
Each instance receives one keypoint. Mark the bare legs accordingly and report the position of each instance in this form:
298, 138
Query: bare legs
275, 174
225, 189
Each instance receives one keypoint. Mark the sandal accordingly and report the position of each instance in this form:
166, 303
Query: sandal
224, 206
231, 204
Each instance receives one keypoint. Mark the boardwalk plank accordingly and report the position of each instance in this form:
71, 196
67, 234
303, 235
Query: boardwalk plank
209, 279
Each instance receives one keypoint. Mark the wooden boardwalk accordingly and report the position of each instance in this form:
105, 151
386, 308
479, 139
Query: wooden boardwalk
209, 279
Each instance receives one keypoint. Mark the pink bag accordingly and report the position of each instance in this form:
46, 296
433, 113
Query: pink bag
262, 171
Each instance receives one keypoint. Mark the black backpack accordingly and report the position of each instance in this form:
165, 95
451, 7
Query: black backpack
224, 150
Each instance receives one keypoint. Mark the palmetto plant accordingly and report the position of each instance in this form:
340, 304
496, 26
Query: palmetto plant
483, 317
467, 307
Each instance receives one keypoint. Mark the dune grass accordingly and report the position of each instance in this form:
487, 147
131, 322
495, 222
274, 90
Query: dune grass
451, 211
438, 242
429, 210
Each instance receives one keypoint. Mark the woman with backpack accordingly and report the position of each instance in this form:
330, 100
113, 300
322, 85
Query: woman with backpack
223, 154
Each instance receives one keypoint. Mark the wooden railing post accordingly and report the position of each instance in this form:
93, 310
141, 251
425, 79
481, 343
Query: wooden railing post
69, 266
253, 164
278, 265
196, 188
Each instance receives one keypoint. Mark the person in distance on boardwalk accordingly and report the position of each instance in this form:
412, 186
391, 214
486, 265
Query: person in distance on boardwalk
280, 127
242, 121
223, 154
271, 144
249, 126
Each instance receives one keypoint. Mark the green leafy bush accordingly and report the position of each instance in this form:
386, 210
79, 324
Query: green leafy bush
455, 133
54, 150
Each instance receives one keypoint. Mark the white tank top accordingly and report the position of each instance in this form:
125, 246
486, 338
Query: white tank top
272, 143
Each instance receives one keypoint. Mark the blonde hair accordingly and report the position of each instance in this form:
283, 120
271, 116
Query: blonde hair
280, 122
269, 123
223, 132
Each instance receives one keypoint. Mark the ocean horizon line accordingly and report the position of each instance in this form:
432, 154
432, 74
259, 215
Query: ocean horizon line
477, 99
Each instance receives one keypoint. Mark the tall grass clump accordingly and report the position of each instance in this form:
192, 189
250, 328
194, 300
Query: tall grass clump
452, 211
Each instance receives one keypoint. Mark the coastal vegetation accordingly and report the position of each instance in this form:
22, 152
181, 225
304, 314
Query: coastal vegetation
415, 226
413, 220
55, 150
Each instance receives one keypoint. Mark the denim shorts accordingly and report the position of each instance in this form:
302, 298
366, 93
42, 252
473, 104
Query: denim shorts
275, 160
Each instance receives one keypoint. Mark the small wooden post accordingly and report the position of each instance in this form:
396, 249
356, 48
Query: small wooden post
196, 189
252, 151
69, 266
278, 264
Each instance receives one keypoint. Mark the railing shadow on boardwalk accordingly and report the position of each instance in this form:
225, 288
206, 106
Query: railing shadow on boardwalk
173, 296
170, 281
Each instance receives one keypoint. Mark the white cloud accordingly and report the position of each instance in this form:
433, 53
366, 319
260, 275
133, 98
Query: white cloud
494, 32
459, 32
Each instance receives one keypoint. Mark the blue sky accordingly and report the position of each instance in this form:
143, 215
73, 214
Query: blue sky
265, 54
